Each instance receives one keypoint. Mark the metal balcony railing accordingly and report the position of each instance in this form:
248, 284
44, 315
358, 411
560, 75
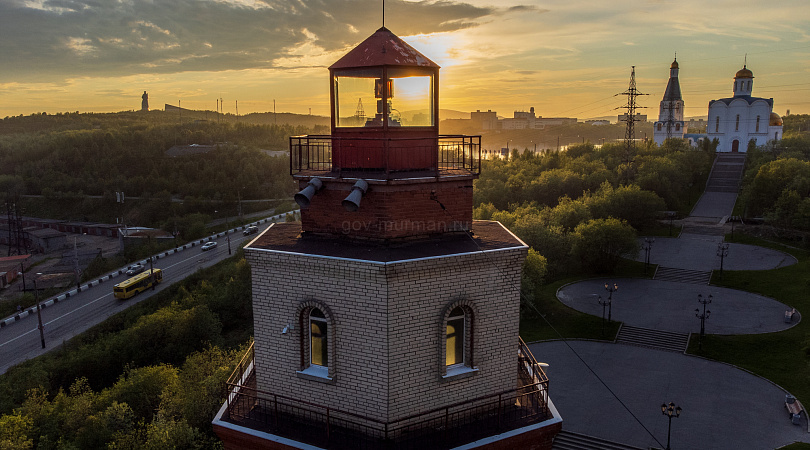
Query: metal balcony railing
444, 427
324, 155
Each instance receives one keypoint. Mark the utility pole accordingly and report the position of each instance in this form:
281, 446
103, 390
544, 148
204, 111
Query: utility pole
39, 312
631, 106
76, 260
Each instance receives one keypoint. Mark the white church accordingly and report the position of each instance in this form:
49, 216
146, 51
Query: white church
733, 121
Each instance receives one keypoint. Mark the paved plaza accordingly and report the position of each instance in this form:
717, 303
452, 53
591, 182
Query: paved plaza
670, 306
699, 252
724, 407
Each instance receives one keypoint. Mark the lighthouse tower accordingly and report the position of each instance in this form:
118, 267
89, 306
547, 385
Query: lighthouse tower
387, 318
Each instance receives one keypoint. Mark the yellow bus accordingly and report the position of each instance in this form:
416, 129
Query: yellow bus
138, 283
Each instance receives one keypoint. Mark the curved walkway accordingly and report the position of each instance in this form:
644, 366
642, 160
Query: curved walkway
699, 252
723, 407
670, 306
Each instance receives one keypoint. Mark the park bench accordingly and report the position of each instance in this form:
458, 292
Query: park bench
789, 315
794, 407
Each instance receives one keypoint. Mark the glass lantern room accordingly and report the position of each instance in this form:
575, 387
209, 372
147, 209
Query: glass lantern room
384, 97
384, 84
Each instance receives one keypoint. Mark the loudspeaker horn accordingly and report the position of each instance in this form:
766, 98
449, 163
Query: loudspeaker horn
304, 197
352, 202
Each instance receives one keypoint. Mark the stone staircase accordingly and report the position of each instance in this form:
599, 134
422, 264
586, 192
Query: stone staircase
706, 230
682, 275
567, 440
646, 337
727, 173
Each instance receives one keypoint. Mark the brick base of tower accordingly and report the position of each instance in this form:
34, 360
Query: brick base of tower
391, 210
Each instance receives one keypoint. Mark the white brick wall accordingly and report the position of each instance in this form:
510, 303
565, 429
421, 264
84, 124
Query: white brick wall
386, 330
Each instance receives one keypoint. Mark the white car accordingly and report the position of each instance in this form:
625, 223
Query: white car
135, 269
209, 245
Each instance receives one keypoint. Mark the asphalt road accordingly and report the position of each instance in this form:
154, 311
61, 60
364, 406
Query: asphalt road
20, 340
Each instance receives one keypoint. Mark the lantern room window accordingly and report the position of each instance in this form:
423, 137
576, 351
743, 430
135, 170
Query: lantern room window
375, 97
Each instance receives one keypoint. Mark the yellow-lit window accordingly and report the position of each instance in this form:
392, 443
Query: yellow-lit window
318, 343
455, 337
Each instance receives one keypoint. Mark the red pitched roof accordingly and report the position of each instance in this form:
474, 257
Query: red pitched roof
383, 48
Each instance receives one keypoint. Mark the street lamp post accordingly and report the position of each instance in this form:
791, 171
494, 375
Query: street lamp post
611, 290
39, 312
670, 410
604, 303
647, 246
705, 315
76, 260
228, 233
22, 273
722, 252
152, 271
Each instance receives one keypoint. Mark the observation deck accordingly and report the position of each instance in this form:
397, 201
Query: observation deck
385, 158
250, 416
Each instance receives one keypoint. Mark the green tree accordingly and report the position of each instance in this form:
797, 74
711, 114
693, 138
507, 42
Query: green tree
600, 243
14, 431
638, 207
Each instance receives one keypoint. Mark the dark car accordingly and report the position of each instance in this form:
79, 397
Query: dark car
251, 230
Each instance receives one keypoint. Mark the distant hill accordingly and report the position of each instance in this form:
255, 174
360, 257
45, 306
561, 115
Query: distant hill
264, 118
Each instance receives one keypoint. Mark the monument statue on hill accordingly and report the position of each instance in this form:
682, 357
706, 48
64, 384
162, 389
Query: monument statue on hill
145, 101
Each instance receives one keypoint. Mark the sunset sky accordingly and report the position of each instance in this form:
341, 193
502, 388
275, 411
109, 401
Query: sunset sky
565, 58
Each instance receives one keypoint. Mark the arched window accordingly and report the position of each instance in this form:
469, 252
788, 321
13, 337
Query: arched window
717, 124
737, 125
318, 339
677, 127
457, 337
757, 130
659, 126
317, 331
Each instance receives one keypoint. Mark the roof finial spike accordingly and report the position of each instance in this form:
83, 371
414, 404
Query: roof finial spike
676, 56
745, 61
383, 12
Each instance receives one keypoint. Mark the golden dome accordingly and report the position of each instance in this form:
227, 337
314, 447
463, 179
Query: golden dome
744, 73
674, 64
775, 120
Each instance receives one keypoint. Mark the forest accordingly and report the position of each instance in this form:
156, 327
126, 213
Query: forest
776, 184
70, 166
150, 377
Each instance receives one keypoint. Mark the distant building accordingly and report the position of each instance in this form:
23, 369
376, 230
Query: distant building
597, 122
145, 101
522, 120
740, 119
484, 120
670, 122
638, 118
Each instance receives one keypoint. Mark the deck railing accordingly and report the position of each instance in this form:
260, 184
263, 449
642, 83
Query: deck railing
445, 427
442, 156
